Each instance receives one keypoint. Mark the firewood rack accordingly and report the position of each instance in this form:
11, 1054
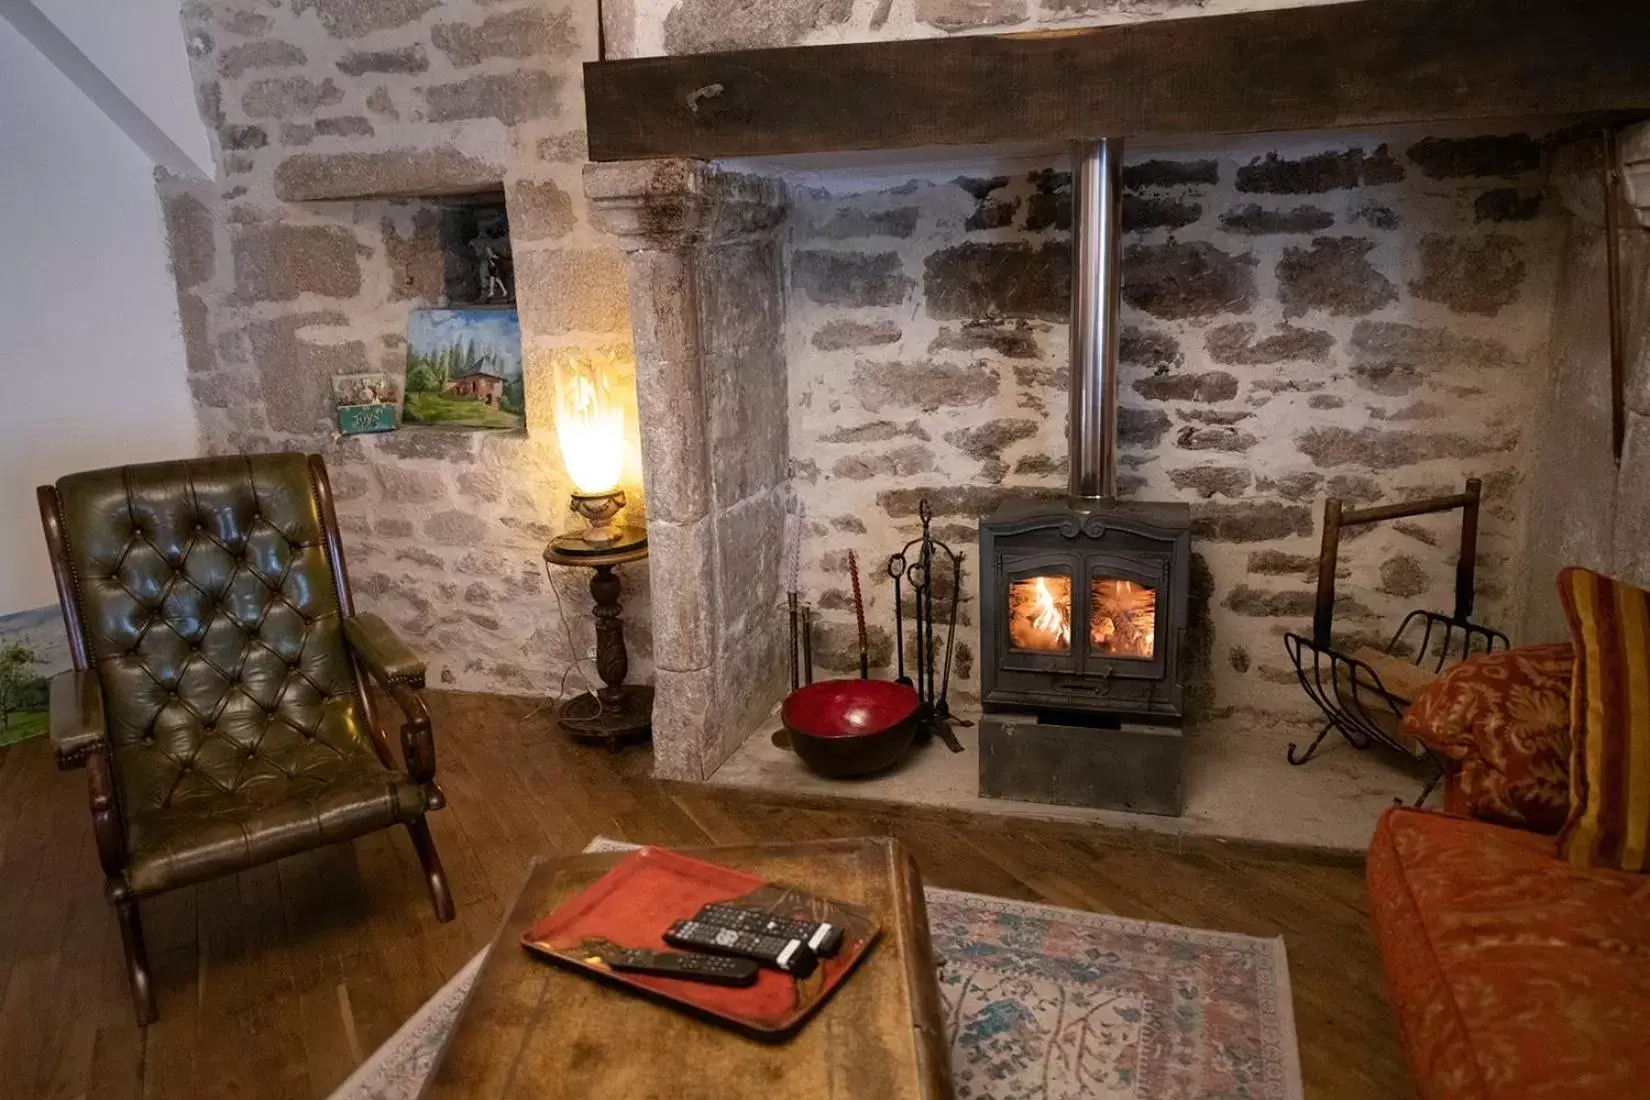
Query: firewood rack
1349, 691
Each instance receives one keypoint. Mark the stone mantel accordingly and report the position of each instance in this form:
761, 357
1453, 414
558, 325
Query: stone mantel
706, 294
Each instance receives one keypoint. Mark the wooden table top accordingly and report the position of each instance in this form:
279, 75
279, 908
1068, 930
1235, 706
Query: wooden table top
531, 1029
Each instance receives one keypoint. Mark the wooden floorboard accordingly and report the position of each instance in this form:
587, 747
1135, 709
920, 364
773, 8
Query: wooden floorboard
276, 982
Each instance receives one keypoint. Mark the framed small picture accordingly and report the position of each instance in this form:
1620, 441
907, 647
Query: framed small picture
464, 368
365, 402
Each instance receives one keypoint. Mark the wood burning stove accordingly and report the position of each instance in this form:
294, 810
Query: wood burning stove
1084, 601
1083, 608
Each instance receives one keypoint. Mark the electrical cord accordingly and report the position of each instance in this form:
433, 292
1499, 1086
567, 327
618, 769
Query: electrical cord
577, 664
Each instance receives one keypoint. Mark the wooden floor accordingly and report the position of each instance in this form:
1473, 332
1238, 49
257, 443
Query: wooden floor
276, 983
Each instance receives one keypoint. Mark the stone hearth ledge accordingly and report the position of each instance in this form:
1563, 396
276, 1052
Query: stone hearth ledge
706, 276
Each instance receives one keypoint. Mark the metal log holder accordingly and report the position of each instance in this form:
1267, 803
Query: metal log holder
1349, 691
916, 564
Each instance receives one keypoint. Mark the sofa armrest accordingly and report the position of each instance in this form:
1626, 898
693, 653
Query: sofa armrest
75, 717
1502, 724
386, 656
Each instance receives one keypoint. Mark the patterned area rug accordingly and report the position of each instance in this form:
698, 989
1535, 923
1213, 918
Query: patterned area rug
1041, 1004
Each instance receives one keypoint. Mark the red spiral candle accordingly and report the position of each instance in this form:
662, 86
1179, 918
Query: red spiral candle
859, 618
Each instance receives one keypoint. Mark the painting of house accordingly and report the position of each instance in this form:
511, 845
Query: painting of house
478, 386
464, 369
33, 649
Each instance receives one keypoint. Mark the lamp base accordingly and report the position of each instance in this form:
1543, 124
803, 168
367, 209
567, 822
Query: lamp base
624, 714
575, 545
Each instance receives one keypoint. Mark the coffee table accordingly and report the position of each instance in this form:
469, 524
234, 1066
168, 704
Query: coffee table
534, 1030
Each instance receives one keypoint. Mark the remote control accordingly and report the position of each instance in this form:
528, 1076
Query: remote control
824, 939
689, 966
790, 955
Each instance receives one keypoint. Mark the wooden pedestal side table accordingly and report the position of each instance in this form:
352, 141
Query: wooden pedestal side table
617, 712
531, 1029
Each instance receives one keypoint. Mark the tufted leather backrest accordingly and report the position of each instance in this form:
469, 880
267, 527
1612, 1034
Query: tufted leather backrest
211, 616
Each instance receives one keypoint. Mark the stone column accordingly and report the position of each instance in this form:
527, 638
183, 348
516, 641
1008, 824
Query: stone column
1584, 509
679, 221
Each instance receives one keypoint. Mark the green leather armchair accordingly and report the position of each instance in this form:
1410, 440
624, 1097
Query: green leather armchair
219, 696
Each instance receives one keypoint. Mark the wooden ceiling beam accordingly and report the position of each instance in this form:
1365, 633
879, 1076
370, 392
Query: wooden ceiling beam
1338, 66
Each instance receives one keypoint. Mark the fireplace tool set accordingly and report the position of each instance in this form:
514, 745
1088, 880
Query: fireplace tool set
855, 727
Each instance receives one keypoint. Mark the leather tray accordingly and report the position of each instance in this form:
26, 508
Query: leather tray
634, 903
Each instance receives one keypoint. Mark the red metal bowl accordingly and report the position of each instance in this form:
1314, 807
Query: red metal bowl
844, 728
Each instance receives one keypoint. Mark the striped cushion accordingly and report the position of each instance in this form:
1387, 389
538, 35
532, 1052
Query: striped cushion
1609, 823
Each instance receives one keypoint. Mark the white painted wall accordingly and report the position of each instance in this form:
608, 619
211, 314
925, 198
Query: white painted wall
138, 44
91, 359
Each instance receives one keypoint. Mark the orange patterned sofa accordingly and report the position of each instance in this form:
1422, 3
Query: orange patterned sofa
1513, 974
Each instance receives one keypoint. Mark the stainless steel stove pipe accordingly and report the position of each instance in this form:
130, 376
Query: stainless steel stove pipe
1096, 282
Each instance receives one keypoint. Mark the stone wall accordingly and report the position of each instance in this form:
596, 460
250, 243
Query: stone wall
1584, 508
297, 263
1359, 318
649, 28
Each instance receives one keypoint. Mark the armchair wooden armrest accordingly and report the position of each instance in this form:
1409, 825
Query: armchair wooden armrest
75, 717
400, 672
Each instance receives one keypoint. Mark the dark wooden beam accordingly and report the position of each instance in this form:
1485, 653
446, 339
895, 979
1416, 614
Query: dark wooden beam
1373, 62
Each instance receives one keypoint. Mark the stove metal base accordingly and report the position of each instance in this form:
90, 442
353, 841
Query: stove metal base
1138, 768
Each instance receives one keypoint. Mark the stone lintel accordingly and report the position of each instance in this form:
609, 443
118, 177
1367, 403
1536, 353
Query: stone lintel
665, 205
395, 173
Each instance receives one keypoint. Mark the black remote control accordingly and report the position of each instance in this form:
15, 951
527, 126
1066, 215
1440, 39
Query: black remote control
822, 938
788, 954
687, 965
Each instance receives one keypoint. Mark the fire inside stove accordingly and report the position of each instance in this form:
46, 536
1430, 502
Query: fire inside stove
1122, 616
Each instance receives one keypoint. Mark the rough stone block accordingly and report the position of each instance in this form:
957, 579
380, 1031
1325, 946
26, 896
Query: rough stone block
411, 485
685, 736
263, 54
925, 386
284, 97
296, 373
1334, 276
1254, 219
957, 15
1316, 174
1236, 344
1265, 603
876, 431
1505, 155
850, 222
1009, 279
1471, 275
533, 32
1178, 280
190, 237
512, 98
742, 319
562, 290
403, 59
1261, 521
838, 334
242, 138
1210, 386
1507, 204
1141, 427
703, 26
749, 539
277, 263
539, 210
683, 594
456, 527
850, 278
344, 126
197, 339
443, 170
899, 462
1011, 340
1211, 481
1375, 449
1279, 563
354, 18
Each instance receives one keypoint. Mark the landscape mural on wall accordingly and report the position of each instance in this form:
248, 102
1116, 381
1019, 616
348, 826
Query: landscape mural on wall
464, 368
33, 649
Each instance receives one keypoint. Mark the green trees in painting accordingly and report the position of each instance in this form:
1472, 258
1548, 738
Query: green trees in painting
20, 689
429, 372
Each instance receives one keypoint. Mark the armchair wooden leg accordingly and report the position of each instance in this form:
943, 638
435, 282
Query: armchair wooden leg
434, 877
137, 960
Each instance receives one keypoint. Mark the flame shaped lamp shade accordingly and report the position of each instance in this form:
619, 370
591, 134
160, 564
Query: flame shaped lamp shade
590, 425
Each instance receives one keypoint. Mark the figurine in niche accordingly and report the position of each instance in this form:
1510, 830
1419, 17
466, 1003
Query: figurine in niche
492, 277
